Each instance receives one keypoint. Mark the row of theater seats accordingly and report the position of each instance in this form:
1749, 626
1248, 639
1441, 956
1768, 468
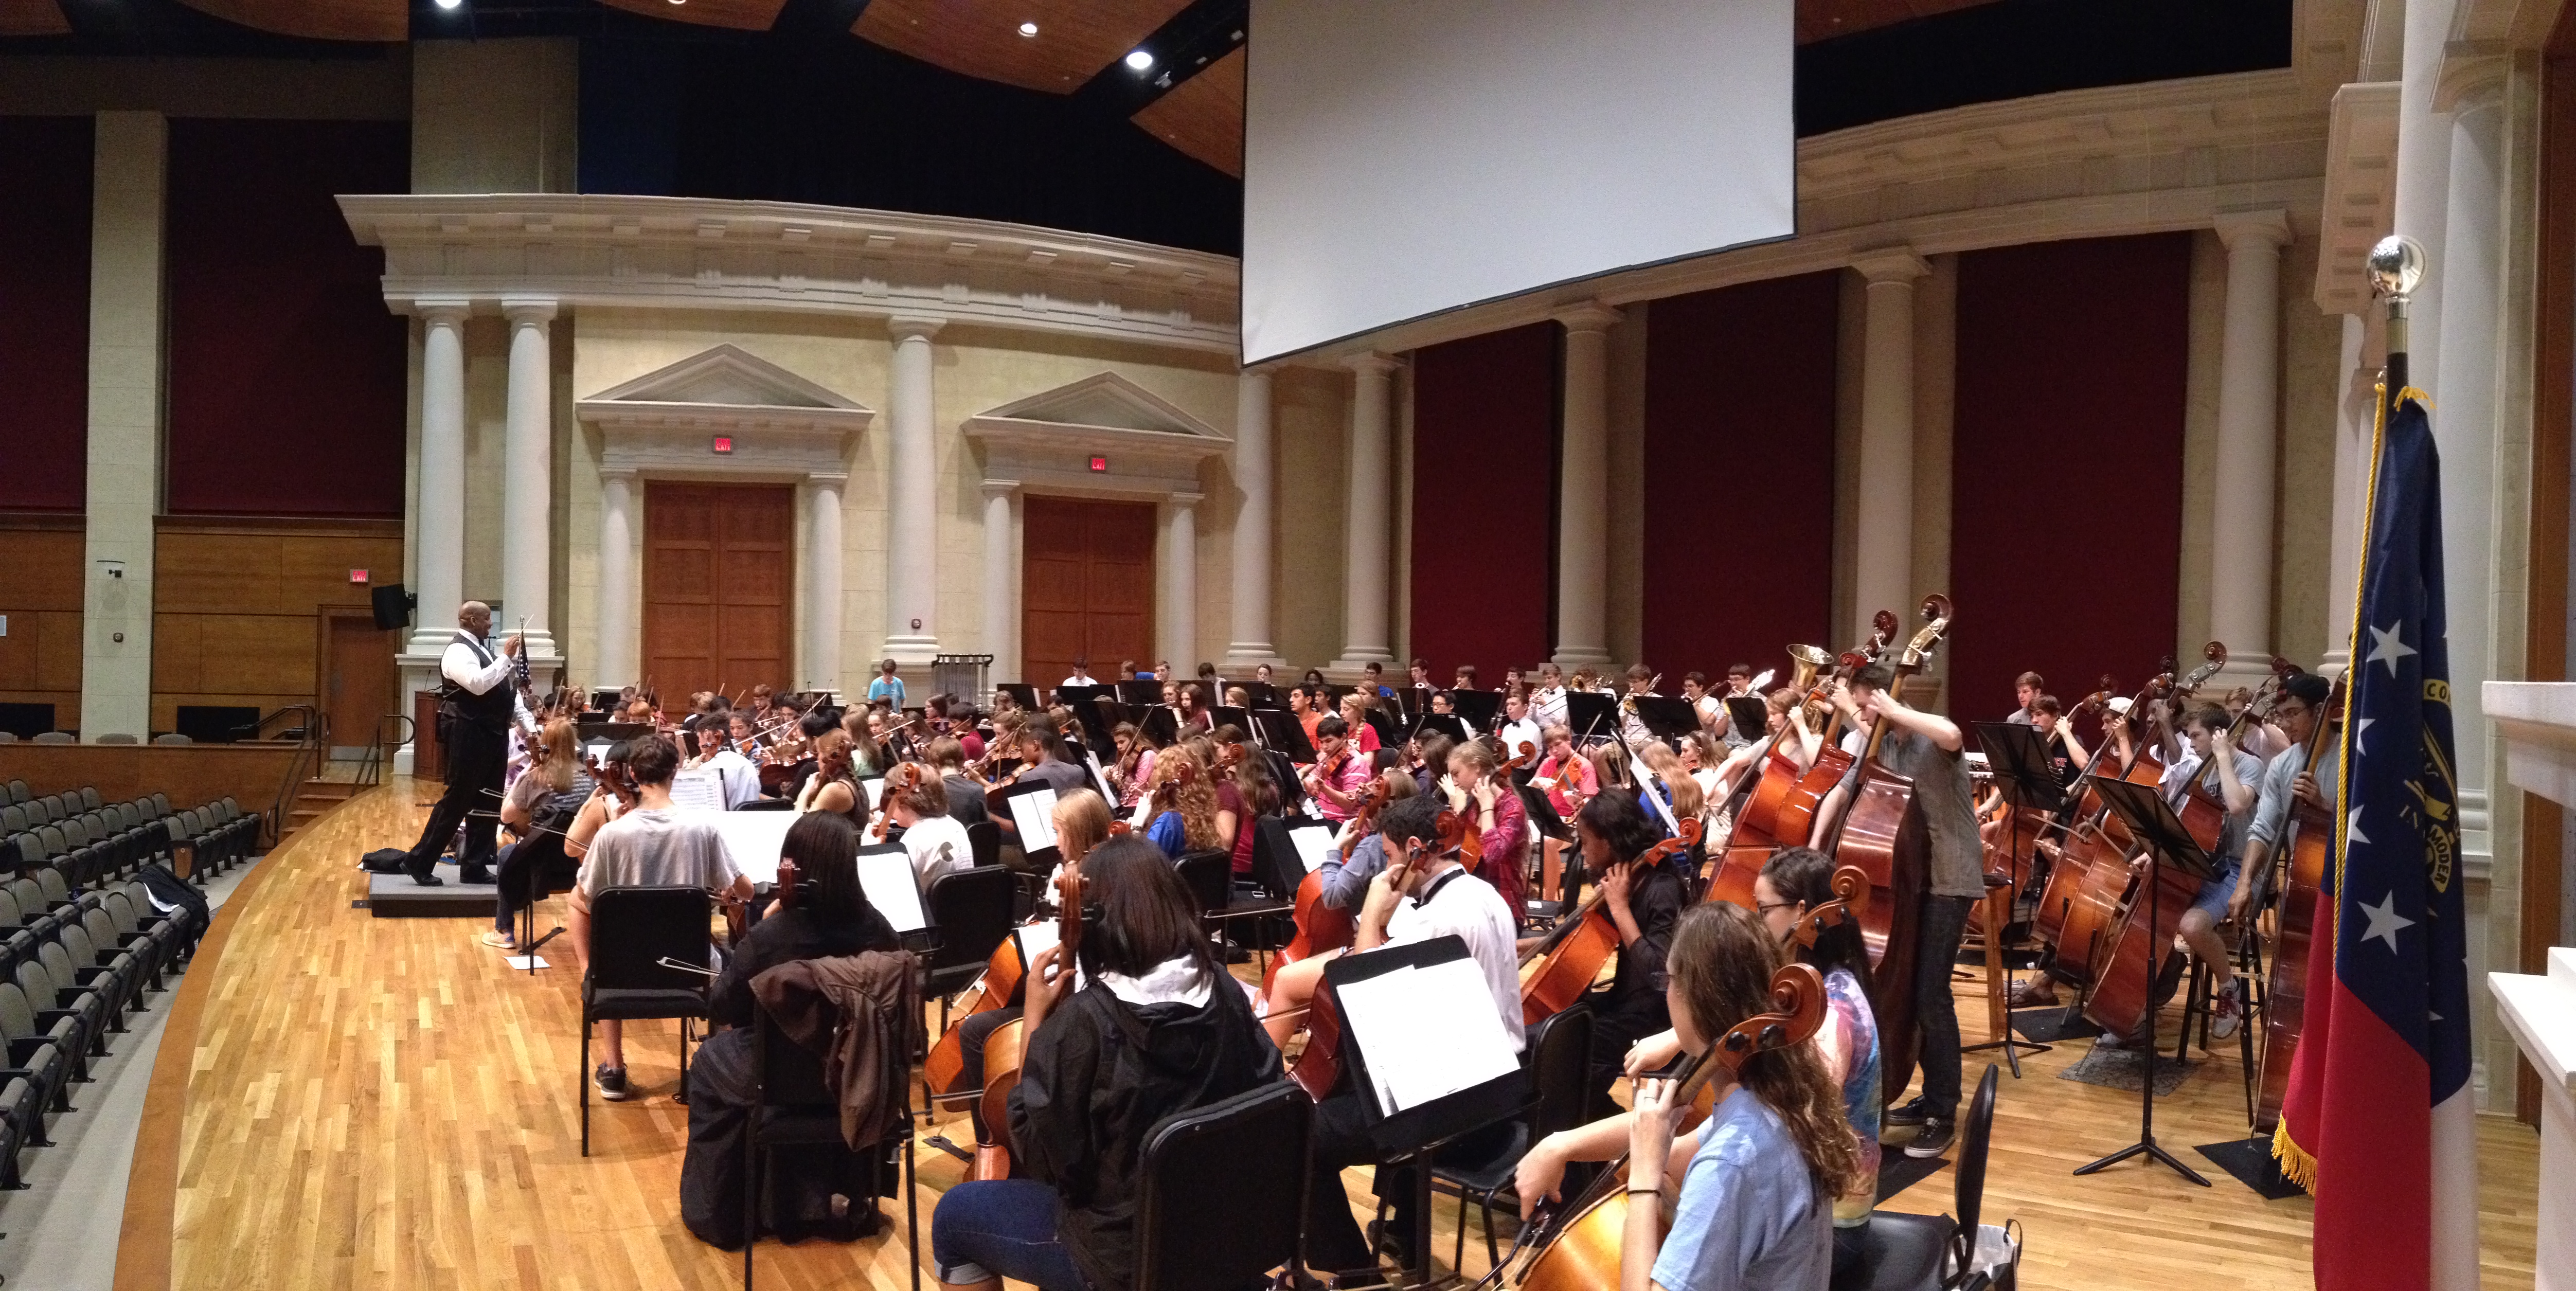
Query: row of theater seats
83, 942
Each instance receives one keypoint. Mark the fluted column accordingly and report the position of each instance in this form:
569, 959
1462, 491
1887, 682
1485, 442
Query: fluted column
2464, 419
1181, 581
2423, 180
621, 625
438, 575
527, 480
1883, 546
1583, 490
1002, 583
1248, 632
820, 614
2249, 396
1368, 519
2356, 408
912, 514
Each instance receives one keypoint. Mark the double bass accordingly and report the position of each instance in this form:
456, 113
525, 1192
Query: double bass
2285, 995
1561, 967
1008, 1045
1782, 802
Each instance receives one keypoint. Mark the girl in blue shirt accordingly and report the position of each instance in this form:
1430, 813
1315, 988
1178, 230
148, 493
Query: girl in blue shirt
1755, 1183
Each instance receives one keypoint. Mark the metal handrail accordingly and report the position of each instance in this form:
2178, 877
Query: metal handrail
317, 738
257, 730
371, 771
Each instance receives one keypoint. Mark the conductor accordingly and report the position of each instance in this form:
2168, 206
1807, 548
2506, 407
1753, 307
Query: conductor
473, 735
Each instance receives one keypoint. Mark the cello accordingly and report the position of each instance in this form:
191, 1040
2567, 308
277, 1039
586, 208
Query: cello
1561, 967
2295, 912
1581, 1252
2123, 996
1320, 927
1319, 1064
1005, 1049
1883, 834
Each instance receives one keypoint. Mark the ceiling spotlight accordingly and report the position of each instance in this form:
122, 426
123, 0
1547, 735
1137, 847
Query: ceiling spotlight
1139, 61
449, 4
1028, 29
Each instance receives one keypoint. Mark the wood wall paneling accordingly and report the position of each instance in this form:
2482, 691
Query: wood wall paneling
40, 658
719, 563
1086, 585
238, 603
982, 37
191, 774
1203, 116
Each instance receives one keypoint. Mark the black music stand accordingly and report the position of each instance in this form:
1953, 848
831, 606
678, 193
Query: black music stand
1021, 692
1281, 732
1238, 718
1479, 709
2153, 824
1263, 694
1078, 697
1383, 723
1665, 716
1748, 716
1142, 694
1421, 1131
1449, 724
1591, 716
2021, 769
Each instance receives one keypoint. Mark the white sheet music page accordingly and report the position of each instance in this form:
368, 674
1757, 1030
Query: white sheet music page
1314, 844
698, 789
885, 874
875, 786
1034, 813
1427, 1032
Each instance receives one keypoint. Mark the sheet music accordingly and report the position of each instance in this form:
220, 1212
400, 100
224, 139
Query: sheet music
1040, 936
698, 789
1427, 1033
752, 838
1034, 813
1314, 844
1646, 780
875, 786
885, 874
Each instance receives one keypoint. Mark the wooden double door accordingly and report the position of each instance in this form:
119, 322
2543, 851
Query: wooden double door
719, 566
1086, 586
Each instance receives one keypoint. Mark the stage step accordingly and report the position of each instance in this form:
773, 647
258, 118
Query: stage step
395, 896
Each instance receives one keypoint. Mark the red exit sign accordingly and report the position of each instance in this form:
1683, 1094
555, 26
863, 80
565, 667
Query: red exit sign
1099, 464
724, 443
357, 576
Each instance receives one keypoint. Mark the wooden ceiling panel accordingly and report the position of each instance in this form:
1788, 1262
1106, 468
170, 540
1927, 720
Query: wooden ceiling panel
384, 21
33, 18
1076, 38
1203, 116
741, 15
1826, 19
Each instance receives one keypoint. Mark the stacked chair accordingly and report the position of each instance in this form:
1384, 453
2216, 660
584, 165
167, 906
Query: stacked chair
83, 945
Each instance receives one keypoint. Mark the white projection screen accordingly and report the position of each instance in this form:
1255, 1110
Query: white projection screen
1405, 157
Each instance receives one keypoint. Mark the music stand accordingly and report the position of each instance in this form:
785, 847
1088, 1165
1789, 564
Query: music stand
2019, 761
1238, 718
1384, 724
1025, 694
1748, 716
1479, 709
1142, 694
2167, 843
1665, 716
1042, 858
1449, 724
1281, 732
1159, 727
1591, 716
1263, 694
1421, 1130
1077, 697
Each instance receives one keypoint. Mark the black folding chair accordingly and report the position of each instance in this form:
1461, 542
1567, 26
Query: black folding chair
971, 909
631, 931
1560, 1065
1932, 1252
1224, 1191
792, 1105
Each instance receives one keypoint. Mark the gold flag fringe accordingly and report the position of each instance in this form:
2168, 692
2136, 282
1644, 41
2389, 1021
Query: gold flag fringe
2296, 1165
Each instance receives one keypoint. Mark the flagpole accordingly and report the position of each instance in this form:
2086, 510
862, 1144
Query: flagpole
2395, 267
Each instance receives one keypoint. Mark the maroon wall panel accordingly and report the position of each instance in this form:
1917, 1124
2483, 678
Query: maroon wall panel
1739, 405
286, 371
1484, 494
2066, 465
44, 313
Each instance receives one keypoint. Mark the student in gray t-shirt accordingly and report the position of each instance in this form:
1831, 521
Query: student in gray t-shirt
652, 844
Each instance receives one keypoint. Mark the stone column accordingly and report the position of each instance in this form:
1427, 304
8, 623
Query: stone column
2423, 179
2356, 408
912, 512
621, 624
438, 518
2249, 400
1368, 519
1002, 582
2464, 416
820, 614
124, 445
527, 481
1583, 491
1256, 474
1883, 546
1181, 582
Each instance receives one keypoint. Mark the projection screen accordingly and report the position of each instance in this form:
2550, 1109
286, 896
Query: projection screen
1405, 158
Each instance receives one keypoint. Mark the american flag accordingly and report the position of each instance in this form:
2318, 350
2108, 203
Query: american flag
2377, 1122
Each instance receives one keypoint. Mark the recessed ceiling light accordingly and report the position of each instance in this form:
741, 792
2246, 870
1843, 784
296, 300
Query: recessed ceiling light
1139, 61
449, 4
1028, 29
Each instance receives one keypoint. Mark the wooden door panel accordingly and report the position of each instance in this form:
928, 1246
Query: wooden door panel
719, 567
1086, 585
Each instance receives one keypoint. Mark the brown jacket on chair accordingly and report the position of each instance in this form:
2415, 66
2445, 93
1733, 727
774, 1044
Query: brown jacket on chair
857, 1013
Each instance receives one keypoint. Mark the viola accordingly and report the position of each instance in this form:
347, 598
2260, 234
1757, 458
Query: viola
1562, 966
1581, 1252
1005, 1049
906, 776
2285, 997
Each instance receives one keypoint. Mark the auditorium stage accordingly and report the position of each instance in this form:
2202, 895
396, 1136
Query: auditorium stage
344, 1101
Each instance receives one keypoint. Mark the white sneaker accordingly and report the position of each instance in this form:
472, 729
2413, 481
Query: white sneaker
2225, 1014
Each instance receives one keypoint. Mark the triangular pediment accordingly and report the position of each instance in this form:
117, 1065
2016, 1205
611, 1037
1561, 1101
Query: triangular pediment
726, 377
1107, 401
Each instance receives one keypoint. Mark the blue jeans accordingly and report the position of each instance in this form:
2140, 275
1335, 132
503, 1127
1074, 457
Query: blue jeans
1001, 1228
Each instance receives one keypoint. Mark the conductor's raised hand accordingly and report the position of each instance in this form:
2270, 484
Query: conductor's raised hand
510, 646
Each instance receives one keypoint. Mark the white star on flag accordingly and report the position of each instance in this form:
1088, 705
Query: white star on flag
2360, 729
2385, 921
2352, 828
2387, 648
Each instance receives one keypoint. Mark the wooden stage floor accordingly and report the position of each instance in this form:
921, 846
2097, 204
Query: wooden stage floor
345, 1101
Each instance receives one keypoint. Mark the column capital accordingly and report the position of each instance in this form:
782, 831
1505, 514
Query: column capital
526, 311
434, 310
1890, 264
833, 478
1188, 500
2260, 228
1590, 316
1372, 361
627, 473
1000, 488
907, 326
2472, 75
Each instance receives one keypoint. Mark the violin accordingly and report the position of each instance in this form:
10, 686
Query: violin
1007, 1047
1561, 967
1581, 1253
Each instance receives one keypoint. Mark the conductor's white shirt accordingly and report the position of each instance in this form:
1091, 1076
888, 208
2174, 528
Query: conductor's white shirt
462, 665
